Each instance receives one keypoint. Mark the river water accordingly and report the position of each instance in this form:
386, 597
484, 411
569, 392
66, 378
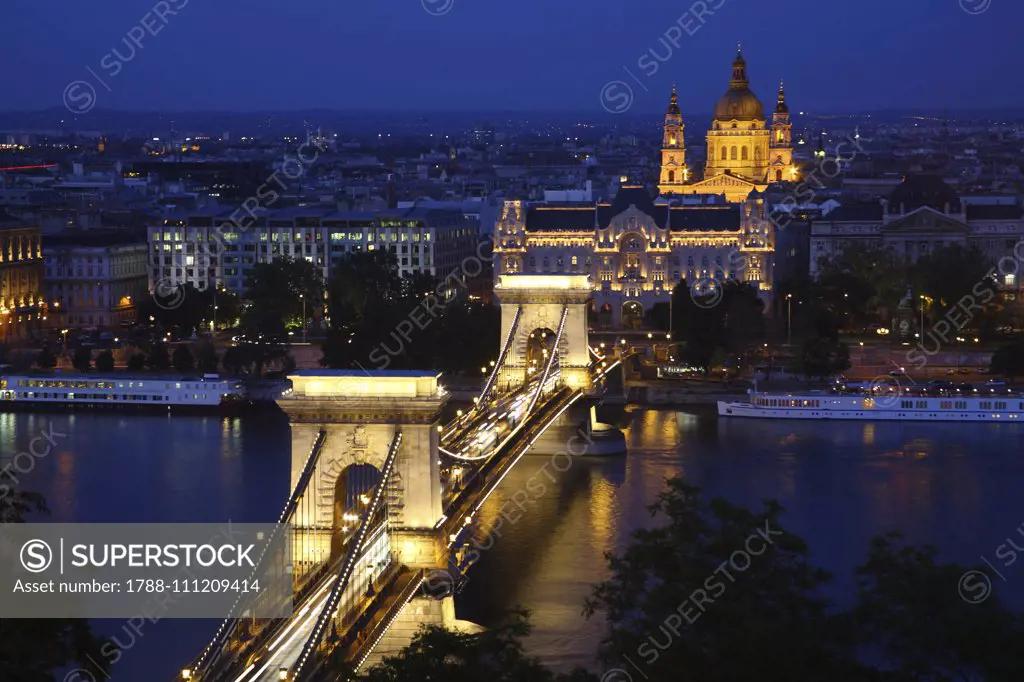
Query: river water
953, 485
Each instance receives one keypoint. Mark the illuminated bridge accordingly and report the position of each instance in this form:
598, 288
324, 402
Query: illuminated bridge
384, 495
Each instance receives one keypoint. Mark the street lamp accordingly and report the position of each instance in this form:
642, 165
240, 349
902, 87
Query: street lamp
922, 318
186, 674
789, 319
862, 354
303, 297
282, 674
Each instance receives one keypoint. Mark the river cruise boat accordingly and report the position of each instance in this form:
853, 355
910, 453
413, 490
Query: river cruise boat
983, 404
205, 393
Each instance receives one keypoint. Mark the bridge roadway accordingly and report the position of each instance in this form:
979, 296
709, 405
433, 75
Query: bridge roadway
377, 601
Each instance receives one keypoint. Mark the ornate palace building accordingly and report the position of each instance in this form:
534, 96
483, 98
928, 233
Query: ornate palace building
745, 154
22, 307
636, 249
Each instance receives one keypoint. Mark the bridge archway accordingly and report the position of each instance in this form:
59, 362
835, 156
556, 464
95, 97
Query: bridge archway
352, 490
536, 302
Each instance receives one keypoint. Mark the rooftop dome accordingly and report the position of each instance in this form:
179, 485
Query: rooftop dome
739, 103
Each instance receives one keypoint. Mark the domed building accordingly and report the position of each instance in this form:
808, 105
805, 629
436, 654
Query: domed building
744, 154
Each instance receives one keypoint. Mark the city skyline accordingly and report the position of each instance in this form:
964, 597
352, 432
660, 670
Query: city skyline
448, 55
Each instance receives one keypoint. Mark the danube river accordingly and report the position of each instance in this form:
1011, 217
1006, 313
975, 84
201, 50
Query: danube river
956, 486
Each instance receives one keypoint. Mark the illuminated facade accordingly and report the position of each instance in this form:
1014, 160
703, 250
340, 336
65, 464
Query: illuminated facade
635, 249
744, 153
22, 307
95, 280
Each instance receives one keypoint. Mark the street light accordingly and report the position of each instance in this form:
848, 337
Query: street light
282, 674
303, 297
789, 319
922, 317
186, 674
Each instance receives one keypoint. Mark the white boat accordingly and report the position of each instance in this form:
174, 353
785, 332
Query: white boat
36, 390
884, 403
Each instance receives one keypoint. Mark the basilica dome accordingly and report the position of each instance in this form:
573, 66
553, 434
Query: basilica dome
739, 103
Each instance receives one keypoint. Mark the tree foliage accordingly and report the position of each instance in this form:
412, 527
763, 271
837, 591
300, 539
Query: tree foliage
1008, 361
81, 359
105, 361
495, 655
278, 292
32, 650
709, 323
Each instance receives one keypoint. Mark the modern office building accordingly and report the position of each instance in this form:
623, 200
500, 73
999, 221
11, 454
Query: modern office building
206, 248
95, 279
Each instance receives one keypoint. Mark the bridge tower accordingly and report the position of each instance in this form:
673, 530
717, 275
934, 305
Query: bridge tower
532, 308
360, 414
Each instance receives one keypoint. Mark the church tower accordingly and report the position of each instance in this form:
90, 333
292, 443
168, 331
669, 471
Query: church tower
781, 149
674, 174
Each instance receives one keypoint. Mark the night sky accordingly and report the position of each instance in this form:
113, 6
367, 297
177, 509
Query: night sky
525, 55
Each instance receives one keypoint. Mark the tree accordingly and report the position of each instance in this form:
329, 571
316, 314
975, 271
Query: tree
136, 362
709, 321
823, 357
862, 280
46, 359
33, 649
495, 655
279, 292
905, 611
1008, 361
105, 361
206, 357
950, 273
158, 357
82, 359
724, 593
234, 360
183, 360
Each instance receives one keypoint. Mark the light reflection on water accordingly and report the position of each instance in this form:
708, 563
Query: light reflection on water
953, 485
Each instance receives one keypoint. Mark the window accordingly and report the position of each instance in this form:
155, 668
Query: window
575, 260
725, 153
744, 153
732, 153
671, 176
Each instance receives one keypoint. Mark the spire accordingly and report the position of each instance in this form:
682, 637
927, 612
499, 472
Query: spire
673, 103
739, 71
781, 107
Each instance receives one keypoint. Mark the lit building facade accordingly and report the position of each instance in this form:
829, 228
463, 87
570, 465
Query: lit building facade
744, 152
206, 248
95, 280
636, 250
922, 214
22, 306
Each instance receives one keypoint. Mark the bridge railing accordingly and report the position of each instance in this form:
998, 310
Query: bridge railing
503, 353
229, 626
351, 558
551, 361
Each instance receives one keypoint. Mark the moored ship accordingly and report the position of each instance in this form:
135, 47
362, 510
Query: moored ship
205, 393
984, 404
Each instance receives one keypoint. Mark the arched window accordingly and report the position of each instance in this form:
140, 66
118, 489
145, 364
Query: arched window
732, 153
745, 155
778, 176
725, 153
671, 176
